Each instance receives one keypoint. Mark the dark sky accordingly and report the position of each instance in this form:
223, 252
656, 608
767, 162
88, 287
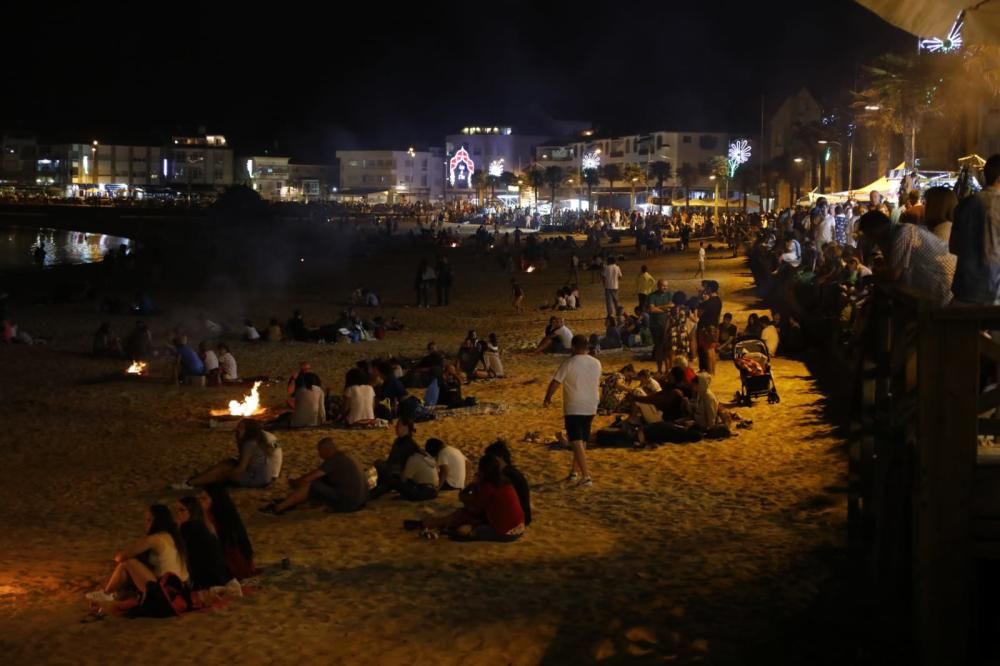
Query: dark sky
316, 80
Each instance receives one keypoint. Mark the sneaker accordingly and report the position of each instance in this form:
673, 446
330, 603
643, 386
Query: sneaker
183, 485
573, 476
585, 482
100, 597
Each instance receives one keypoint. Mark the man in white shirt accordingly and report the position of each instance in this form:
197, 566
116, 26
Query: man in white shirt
580, 378
213, 375
227, 363
451, 464
558, 339
611, 275
702, 255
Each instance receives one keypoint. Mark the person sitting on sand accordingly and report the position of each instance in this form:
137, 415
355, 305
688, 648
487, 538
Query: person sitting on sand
160, 552
297, 329
468, 353
491, 357
359, 399
205, 560
257, 465
296, 381
274, 333
669, 404
451, 464
558, 338
213, 375
222, 515
501, 451
391, 469
705, 407
310, 403
106, 343
612, 338
419, 480
493, 511
227, 364
614, 390
339, 481
250, 332
139, 343
188, 363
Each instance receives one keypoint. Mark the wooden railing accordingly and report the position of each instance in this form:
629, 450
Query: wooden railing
924, 498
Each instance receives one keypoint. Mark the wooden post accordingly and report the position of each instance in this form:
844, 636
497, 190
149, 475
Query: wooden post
944, 471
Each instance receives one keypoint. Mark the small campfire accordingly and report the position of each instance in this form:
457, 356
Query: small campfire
249, 406
137, 368
530, 269
454, 244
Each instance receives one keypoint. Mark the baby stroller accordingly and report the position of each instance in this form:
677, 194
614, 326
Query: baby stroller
753, 360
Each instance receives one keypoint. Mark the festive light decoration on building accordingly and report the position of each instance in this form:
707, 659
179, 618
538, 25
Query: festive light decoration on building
462, 165
949, 44
591, 160
739, 153
496, 168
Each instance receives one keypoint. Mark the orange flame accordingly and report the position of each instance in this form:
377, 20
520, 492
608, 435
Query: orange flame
250, 404
137, 368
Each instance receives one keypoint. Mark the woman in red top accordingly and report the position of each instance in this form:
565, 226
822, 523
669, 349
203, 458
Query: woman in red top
497, 504
492, 509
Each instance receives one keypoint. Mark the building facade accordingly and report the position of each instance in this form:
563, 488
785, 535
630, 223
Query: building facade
405, 175
102, 169
205, 160
311, 182
18, 156
267, 175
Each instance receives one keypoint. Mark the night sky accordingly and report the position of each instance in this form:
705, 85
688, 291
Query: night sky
313, 81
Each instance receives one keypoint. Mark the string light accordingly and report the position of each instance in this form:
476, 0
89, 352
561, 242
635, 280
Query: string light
591, 160
496, 168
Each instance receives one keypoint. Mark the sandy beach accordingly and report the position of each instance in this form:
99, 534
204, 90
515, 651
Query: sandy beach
720, 552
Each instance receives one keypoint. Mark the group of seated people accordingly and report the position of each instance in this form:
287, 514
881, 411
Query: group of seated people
566, 298
676, 407
624, 331
185, 558
211, 366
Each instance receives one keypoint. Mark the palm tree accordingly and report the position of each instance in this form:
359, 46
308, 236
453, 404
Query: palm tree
632, 174
901, 94
536, 179
660, 171
688, 175
590, 177
611, 173
553, 178
479, 181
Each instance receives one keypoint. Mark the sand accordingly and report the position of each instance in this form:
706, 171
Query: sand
719, 551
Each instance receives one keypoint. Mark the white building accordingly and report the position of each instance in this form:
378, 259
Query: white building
110, 169
268, 176
641, 150
200, 160
404, 175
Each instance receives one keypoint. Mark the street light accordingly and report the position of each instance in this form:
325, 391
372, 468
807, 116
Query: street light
850, 158
872, 107
93, 159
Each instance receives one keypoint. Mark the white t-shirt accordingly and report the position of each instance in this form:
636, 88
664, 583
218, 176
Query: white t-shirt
824, 232
251, 333
211, 361
612, 273
701, 254
580, 376
421, 469
565, 336
228, 364
455, 461
571, 302
310, 407
360, 403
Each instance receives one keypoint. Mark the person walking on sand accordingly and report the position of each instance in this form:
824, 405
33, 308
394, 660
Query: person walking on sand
700, 273
580, 378
611, 275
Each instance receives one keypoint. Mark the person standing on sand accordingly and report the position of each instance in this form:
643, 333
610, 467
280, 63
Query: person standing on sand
611, 275
644, 286
700, 273
580, 378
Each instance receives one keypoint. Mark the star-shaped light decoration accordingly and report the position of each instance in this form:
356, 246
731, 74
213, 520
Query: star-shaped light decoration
949, 44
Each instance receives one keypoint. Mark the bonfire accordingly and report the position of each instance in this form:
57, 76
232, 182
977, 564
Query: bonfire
249, 406
137, 368
530, 269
